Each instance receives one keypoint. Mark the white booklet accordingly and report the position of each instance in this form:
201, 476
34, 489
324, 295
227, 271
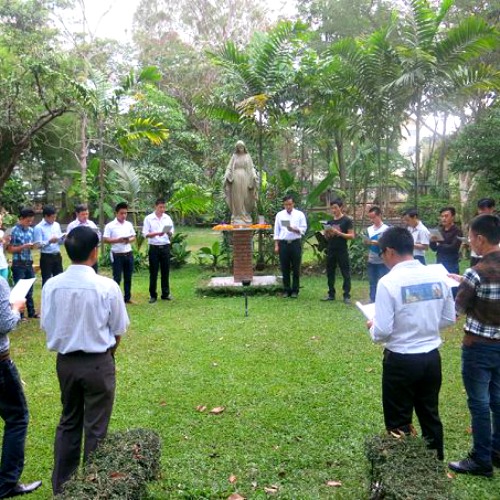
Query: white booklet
166, 229
21, 289
368, 310
436, 234
442, 272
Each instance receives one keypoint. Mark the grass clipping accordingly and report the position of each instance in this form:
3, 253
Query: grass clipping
402, 468
119, 469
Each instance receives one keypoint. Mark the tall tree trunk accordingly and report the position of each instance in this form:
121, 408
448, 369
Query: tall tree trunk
440, 174
341, 161
83, 157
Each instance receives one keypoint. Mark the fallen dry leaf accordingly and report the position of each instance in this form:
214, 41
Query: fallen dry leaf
201, 408
369, 370
469, 430
217, 410
271, 490
235, 496
334, 484
117, 475
232, 479
450, 475
163, 403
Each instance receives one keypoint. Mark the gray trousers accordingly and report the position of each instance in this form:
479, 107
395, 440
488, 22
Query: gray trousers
87, 383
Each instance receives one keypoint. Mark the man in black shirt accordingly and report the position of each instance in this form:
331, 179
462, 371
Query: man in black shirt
339, 231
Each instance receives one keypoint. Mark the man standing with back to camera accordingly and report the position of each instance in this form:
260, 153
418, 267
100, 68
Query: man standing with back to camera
411, 307
84, 317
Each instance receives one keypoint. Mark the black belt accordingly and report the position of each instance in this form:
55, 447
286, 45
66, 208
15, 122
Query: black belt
160, 246
22, 262
4, 356
117, 254
83, 353
289, 242
51, 254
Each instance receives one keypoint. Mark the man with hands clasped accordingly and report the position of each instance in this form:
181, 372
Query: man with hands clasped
289, 227
158, 228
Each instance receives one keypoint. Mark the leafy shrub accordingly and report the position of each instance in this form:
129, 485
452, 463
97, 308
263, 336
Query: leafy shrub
358, 253
179, 254
119, 468
403, 468
211, 254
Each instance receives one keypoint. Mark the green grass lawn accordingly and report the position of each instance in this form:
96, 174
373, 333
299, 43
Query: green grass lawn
299, 380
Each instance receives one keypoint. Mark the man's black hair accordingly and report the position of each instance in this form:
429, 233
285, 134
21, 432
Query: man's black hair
288, 197
411, 212
26, 212
486, 203
375, 210
160, 201
121, 206
338, 202
80, 242
81, 207
487, 225
397, 238
48, 210
448, 209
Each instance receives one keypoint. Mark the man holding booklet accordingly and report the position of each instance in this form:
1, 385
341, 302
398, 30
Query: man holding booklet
119, 233
412, 304
158, 228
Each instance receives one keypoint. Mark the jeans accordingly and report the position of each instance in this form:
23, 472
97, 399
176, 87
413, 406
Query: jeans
25, 271
14, 412
124, 264
481, 376
375, 272
340, 259
159, 260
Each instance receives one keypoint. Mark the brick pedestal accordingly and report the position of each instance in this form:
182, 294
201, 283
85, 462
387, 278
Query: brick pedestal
243, 255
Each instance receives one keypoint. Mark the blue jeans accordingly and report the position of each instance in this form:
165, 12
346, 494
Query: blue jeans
25, 271
14, 412
375, 272
481, 376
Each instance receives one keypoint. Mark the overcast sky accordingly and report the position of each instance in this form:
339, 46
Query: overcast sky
113, 18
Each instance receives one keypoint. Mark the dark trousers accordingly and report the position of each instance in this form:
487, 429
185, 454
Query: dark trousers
290, 255
340, 259
124, 264
24, 271
50, 265
14, 412
87, 383
413, 381
159, 259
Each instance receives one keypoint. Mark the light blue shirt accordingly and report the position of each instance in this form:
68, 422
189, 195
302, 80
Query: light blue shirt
82, 311
44, 232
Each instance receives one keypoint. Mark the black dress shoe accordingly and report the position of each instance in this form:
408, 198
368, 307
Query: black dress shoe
327, 298
470, 466
294, 295
168, 297
152, 300
495, 459
22, 489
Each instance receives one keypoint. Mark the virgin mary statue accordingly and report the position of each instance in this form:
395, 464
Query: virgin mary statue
240, 185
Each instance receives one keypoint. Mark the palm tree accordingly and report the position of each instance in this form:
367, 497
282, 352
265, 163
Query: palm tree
433, 59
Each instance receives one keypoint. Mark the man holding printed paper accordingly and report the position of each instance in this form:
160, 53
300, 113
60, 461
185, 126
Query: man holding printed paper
158, 228
411, 306
119, 233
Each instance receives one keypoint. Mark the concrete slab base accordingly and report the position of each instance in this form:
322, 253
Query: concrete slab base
225, 281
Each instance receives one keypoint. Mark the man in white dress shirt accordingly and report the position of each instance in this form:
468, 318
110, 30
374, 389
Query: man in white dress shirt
420, 234
82, 219
119, 233
411, 306
158, 228
84, 317
289, 227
